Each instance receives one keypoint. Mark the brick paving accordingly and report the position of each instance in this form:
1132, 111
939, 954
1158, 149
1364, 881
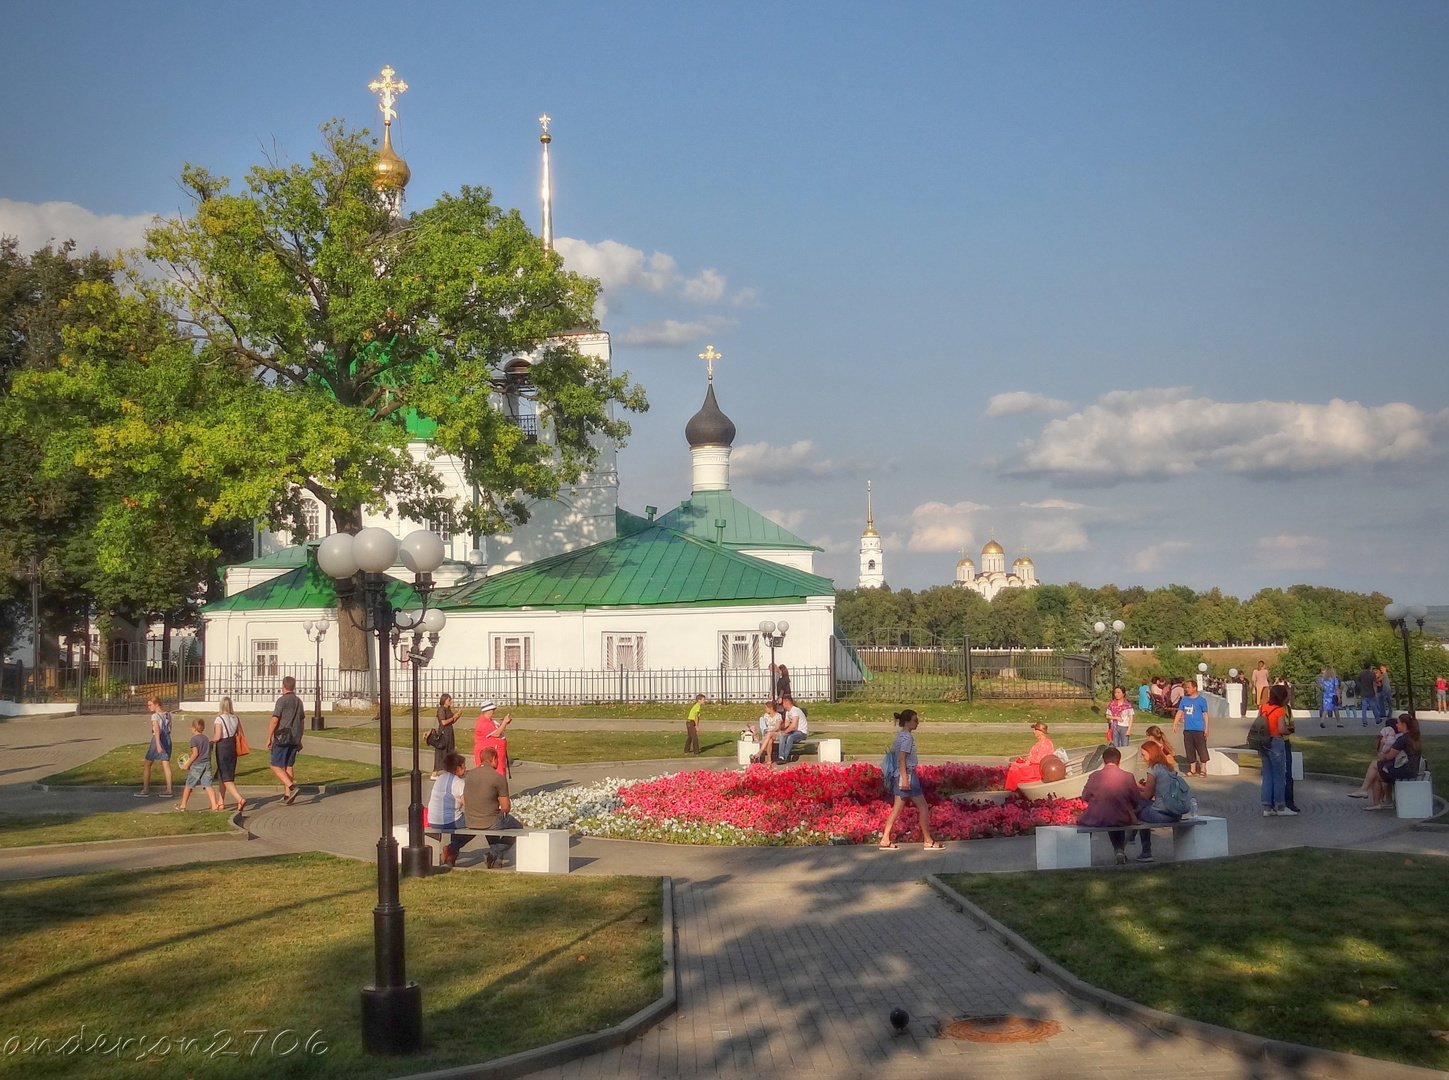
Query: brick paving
789, 960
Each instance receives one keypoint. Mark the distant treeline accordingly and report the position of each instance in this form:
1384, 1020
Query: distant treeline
1062, 616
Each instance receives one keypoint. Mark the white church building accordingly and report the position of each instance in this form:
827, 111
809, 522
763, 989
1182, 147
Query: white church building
993, 576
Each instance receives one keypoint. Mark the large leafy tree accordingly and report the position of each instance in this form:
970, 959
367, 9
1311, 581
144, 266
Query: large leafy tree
341, 331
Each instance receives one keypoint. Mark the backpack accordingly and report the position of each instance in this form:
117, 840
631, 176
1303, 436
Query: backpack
1176, 796
1258, 737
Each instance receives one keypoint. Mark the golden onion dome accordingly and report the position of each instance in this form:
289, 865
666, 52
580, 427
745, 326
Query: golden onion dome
390, 170
963, 561
1024, 559
993, 548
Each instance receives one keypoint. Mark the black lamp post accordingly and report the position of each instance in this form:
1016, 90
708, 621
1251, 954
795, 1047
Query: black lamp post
417, 859
34, 574
1117, 626
774, 635
1399, 616
316, 631
392, 1008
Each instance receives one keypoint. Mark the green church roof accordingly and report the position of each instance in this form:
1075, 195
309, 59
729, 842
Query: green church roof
654, 567
304, 587
296, 555
744, 527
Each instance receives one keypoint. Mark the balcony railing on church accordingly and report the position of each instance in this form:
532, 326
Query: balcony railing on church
528, 425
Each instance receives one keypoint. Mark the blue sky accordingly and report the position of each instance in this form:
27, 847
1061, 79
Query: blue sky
1154, 292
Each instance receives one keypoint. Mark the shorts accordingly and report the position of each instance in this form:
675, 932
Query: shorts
164, 754
199, 775
283, 757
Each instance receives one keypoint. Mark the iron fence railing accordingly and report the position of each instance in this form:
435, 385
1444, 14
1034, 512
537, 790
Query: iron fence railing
933, 673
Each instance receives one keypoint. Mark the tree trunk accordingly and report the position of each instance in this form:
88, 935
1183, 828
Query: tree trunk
354, 658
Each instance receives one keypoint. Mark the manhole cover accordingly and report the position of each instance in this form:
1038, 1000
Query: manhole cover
1001, 1029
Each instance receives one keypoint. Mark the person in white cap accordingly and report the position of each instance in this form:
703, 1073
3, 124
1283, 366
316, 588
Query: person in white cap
491, 732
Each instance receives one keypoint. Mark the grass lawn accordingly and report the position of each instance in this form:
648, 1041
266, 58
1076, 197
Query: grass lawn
1339, 756
122, 767
1337, 949
571, 747
280, 947
27, 830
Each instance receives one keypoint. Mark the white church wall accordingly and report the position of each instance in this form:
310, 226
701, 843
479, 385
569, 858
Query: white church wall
794, 558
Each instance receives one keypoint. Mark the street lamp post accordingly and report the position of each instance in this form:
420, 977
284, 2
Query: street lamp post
316, 631
417, 859
1202, 676
1399, 616
392, 1007
774, 635
1117, 626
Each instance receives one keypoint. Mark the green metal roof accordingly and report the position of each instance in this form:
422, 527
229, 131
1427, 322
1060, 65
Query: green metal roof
304, 587
744, 527
296, 555
655, 567
627, 524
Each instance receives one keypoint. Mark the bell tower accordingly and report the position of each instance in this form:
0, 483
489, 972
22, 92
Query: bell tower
872, 558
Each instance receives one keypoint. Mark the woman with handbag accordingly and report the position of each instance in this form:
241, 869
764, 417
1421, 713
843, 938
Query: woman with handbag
442, 737
228, 739
903, 784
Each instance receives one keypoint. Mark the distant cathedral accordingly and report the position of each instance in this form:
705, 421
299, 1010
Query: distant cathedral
993, 577
872, 558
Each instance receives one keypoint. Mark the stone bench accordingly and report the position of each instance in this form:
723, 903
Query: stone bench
537, 851
1222, 761
825, 750
1415, 798
1063, 847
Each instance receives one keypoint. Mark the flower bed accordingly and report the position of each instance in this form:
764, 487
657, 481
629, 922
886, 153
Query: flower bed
810, 804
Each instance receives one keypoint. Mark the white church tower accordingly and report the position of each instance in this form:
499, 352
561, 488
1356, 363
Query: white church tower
872, 558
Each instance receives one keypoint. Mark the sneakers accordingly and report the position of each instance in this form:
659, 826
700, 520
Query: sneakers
490, 861
1121, 858
1146, 856
1283, 811
1268, 811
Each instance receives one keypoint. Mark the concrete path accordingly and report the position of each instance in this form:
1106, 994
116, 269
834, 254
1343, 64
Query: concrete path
790, 959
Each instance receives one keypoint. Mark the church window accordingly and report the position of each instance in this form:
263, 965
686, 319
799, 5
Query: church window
512, 652
443, 526
311, 522
870, 565
265, 657
624, 652
739, 651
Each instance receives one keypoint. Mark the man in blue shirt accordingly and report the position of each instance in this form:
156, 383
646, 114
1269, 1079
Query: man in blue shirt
1192, 715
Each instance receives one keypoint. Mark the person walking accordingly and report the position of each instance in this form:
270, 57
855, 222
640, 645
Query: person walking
284, 738
1367, 695
1260, 683
198, 768
158, 749
1441, 694
1385, 687
1119, 718
447, 736
225, 730
1328, 691
907, 784
691, 725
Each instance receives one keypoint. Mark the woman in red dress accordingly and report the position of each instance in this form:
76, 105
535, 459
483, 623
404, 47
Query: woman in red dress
1026, 770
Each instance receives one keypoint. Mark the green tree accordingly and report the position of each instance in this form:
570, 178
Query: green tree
346, 333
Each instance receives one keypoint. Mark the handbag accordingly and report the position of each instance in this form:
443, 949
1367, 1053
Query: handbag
434, 738
243, 747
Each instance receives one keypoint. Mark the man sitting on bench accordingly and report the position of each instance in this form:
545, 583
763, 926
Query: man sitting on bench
793, 727
1112, 797
486, 805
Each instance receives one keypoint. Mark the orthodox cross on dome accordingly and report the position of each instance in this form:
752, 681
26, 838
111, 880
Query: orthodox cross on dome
543, 122
709, 356
387, 89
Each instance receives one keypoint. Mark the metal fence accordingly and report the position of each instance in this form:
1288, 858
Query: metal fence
114, 686
904, 673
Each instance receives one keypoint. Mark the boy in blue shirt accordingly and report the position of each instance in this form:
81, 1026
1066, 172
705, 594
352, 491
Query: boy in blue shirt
1192, 715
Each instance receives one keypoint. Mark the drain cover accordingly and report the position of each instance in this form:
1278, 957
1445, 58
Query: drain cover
1001, 1029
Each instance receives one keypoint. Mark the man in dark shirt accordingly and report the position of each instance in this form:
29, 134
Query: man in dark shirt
486, 805
284, 737
1112, 798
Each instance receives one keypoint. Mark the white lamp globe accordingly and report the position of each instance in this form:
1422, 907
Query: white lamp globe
783, 627
375, 549
1202, 668
434, 621
1099, 626
406, 620
1232, 673
422, 551
1419, 611
323, 625
1393, 612
307, 626
1118, 626
767, 627
335, 556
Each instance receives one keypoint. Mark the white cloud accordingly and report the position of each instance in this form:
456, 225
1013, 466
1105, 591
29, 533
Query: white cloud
671, 332
36, 224
1054, 536
1053, 504
793, 520
1286, 551
1157, 434
622, 269
938, 526
1024, 401
767, 464
1153, 556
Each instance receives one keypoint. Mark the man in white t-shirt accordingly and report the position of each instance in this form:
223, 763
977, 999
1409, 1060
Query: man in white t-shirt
793, 727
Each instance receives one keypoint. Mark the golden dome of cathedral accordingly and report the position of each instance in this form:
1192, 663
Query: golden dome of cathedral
993, 548
390, 170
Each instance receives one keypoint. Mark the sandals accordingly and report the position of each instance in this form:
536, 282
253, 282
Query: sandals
241, 806
935, 845
889, 847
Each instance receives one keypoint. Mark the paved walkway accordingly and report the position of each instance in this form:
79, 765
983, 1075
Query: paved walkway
790, 960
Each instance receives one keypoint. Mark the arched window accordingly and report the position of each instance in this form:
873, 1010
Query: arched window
870, 565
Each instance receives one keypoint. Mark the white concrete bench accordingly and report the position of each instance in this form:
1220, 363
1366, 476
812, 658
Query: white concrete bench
1063, 847
537, 851
826, 750
1222, 760
1415, 798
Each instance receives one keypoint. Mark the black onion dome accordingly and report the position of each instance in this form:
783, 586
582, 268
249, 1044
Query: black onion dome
709, 426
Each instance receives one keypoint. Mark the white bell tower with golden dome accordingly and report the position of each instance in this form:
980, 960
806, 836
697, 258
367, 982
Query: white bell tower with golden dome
872, 558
